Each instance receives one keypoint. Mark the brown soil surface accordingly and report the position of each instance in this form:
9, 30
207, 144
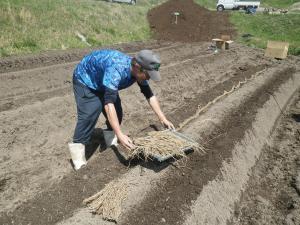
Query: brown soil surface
194, 23
14, 63
38, 185
181, 186
273, 193
38, 114
202, 75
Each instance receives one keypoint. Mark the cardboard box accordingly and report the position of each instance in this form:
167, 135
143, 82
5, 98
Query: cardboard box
222, 43
225, 37
277, 49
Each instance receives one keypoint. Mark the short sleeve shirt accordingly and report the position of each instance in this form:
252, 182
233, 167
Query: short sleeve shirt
105, 69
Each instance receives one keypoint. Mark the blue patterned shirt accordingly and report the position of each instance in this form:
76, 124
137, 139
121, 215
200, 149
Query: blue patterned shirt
105, 69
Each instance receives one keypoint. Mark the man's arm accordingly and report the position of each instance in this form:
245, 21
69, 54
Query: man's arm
114, 122
111, 82
153, 102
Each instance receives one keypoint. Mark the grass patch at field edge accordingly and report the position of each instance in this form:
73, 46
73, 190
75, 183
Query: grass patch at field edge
263, 27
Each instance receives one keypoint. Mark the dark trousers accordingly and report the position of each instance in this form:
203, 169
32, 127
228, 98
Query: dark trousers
89, 106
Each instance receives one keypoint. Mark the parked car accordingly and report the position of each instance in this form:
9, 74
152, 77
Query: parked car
247, 5
132, 2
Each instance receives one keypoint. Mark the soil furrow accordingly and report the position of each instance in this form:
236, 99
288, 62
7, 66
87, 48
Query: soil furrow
180, 114
38, 116
215, 205
182, 186
272, 195
228, 100
29, 86
16, 63
142, 181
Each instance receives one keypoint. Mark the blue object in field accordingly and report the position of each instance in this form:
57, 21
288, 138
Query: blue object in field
251, 10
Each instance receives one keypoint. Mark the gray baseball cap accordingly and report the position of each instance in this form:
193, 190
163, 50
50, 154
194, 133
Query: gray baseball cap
150, 62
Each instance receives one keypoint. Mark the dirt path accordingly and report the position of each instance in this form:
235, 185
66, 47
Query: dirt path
37, 114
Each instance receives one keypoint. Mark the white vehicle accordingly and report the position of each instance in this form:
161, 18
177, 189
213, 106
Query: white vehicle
237, 4
132, 2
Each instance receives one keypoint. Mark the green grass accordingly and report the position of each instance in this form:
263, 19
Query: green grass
269, 27
278, 3
209, 4
29, 26
265, 27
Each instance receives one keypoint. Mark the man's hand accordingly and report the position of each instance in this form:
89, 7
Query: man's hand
125, 141
114, 122
167, 124
153, 102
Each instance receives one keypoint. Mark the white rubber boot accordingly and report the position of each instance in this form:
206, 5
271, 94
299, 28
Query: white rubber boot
110, 138
77, 151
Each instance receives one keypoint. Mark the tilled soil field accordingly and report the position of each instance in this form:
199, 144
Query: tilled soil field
273, 192
38, 115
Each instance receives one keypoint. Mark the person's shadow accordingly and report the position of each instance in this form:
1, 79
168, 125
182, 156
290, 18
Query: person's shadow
140, 160
149, 163
97, 141
296, 117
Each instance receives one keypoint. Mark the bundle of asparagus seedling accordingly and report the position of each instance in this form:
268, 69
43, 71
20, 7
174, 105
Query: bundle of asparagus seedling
162, 144
108, 201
